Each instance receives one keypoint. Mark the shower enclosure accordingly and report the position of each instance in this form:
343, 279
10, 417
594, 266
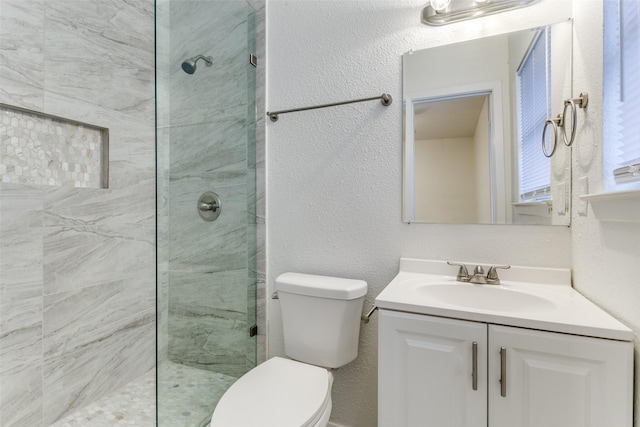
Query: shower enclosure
206, 144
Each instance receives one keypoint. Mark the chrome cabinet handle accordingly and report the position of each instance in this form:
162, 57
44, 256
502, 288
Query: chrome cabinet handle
503, 371
474, 366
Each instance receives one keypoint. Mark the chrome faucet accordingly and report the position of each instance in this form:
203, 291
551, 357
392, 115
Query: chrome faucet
492, 274
463, 273
478, 276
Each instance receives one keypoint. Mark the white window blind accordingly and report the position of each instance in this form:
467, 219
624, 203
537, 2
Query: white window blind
534, 81
621, 109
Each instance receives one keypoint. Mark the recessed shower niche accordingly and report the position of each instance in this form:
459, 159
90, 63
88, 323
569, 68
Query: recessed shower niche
37, 148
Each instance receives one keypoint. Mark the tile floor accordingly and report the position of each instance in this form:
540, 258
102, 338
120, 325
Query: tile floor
187, 398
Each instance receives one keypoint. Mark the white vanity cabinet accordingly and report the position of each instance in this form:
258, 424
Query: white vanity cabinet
425, 371
436, 371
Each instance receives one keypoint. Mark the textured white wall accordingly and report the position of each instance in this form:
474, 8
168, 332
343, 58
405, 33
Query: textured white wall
606, 255
334, 175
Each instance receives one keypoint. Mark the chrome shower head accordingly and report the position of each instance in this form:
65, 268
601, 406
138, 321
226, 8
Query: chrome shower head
189, 66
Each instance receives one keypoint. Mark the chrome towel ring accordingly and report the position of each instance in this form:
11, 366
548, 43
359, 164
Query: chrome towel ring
560, 122
582, 101
555, 123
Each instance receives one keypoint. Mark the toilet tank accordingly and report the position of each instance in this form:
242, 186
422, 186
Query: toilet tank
321, 317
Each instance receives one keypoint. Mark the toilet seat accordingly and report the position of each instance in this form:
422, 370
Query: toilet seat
278, 393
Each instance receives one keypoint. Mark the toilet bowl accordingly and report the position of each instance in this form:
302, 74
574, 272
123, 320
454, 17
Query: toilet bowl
321, 327
281, 392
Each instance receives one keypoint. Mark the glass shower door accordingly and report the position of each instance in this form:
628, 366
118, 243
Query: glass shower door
205, 143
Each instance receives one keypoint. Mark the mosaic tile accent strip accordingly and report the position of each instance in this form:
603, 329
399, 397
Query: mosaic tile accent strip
46, 150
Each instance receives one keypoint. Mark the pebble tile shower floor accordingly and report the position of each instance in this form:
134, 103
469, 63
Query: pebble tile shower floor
187, 397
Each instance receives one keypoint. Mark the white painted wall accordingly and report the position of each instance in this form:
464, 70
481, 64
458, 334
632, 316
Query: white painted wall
450, 66
606, 255
334, 175
451, 198
480, 156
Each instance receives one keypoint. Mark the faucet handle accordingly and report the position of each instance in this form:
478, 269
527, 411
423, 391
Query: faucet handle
463, 273
492, 274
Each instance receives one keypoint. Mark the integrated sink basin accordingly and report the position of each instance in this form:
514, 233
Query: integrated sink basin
486, 297
528, 297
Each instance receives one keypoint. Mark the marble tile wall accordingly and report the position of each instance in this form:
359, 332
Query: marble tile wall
22, 53
211, 145
21, 308
77, 265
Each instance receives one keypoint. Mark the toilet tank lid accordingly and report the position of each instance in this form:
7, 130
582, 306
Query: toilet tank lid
321, 286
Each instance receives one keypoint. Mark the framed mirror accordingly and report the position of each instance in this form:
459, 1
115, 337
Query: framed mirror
474, 117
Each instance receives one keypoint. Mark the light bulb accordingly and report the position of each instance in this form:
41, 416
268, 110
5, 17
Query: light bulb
439, 5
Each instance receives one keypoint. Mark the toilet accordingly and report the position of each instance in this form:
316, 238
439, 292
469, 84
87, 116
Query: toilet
321, 326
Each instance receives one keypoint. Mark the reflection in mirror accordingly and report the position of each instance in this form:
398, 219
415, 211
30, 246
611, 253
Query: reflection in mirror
476, 111
452, 142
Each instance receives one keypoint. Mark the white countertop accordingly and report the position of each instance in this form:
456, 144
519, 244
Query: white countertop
567, 311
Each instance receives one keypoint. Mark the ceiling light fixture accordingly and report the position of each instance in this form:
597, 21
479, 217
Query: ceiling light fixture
441, 12
439, 5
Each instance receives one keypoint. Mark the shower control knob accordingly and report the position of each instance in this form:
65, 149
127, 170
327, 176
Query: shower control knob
209, 206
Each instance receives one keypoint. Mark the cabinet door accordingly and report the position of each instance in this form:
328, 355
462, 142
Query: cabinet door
425, 367
557, 380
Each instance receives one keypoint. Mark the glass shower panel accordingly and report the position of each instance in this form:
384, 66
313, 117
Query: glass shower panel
205, 143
